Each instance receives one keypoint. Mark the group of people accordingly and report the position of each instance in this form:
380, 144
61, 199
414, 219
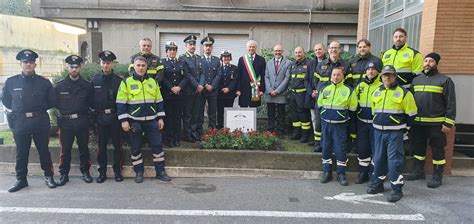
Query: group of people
369, 102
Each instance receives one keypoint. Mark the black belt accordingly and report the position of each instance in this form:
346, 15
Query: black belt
31, 114
72, 116
106, 111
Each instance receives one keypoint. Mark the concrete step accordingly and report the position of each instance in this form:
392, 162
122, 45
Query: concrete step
194, 162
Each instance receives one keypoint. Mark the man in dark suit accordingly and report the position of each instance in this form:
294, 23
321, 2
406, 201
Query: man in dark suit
251, 87
210, 81
277, 74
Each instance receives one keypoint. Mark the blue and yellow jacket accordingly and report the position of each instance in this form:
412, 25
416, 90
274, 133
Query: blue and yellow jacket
393, 108
139, 99
336, 103
363, 93
407, 61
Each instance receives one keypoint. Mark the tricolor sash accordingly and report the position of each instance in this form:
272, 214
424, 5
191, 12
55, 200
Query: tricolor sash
254, 80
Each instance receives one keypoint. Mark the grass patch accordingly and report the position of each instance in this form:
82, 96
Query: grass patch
7, 136
295, 146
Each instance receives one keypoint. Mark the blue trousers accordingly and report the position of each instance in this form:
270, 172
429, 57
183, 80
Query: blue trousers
334, 138
365, 145
150, 128
389, 157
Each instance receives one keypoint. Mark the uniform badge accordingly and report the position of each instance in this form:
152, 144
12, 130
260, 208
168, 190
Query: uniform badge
97, 87
353, 64
305, 67
63, 93
343, 93
132, 87
397, 94
326, 93
378, 93
324, 67
150, 85
387, 56
406, 55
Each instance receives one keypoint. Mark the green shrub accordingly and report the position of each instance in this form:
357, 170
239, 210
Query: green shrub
224, 139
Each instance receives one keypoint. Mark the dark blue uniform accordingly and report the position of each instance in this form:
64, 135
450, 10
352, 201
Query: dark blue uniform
176, 73
209, 77
108, 126
74, 100
27, 97
228, 79
192, 101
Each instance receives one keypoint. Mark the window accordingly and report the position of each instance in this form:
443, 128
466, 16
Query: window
413, 25
376, 8
393, 6
348, 43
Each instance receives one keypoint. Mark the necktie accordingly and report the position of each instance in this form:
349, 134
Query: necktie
251, 58
209, 60
277, 64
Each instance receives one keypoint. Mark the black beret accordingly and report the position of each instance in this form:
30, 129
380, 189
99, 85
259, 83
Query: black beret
26, 56
207, 40
107, 56
73, 61
191, 38
435, 56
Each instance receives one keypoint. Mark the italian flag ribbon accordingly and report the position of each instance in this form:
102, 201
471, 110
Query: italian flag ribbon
254, 80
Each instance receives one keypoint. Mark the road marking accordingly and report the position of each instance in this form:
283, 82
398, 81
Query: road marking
358, 199
218, 213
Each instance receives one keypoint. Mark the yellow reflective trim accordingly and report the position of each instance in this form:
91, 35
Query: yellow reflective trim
340, 114
324, 79
305, 127
349, 76
353, 135
160, 67
154, 111
356, 76
298, 90
317, 138
428, 88
316, 75
135, 111
317, 133
393, 119
439, 162
430, 119
419, 157
298, 76
405, 81
306, 123
151, 71
449, 121
296, 124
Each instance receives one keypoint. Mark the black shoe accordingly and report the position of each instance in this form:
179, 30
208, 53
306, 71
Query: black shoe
375, 189
342, 179
63, 179
118, 177
49, 181
327, 176
139, 177
418, 172
163, 176
19, 184
86, 176
362, 177
394, 196
437, 179
176, 143
101, 178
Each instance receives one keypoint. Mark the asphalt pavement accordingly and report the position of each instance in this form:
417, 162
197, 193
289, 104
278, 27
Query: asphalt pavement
232, 200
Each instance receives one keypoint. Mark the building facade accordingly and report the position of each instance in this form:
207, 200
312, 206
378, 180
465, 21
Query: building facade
119, 25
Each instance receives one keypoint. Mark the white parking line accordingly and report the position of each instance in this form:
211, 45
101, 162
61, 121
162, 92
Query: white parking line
218, 213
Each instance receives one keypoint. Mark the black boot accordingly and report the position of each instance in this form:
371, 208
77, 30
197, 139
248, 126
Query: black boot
86, 176
163, 176
296, 135
49, 181
118, 176
139, 177
375, 188
304, 136
418, 171
437, 179
341, 177
19, 184
362, 177
327, 176
63, 179
317, 146
101, 178
395, 196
